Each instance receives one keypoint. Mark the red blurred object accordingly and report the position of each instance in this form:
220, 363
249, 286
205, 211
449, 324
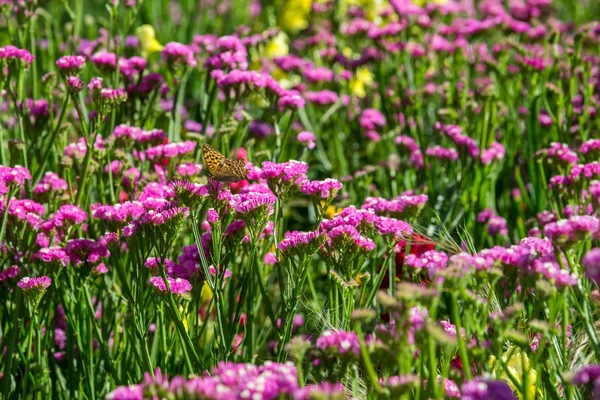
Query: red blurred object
241, 154
418, 245
165, 161
123, 196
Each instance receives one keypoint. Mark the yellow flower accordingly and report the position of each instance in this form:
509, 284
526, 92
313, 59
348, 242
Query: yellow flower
206, 293
421, 3
148, 42
517, 363
294, 16
331, 211
361, 80
277, 47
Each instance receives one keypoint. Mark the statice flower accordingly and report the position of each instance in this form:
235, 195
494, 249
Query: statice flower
13, 58
393, 229
591, 263
70, 65
484, 389
416, 156
590, 147
339, 344
589, 378
432, 260
229, 52
291, 101
34, 289
170, 150
322, 98
496, 151
14, 177
551, 270
177, 286
178, 55
456, 134
255, 206
442, 153
496, 225
545, 120
281, 177
401, 207
559, 153
300, 243
307, 138
566, 232
322, 190
105, 60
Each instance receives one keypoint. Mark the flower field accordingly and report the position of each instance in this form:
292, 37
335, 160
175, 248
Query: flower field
300, 199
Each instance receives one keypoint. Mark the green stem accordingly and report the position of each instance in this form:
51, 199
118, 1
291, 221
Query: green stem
462, 349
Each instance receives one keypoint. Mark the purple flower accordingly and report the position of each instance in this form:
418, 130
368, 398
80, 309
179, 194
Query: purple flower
37, 284
178, 286
15, 57
307, 138
9, 273
432, 260
371, 119
323, 97
591, 263
441, 153
455, 133
131, 392
560, 153
177, 54
326, 189
338, 343
252, 203
105, 60
568, 231
495, 152
589, 378
75, 84
300, 243
212, 216
401, 207
291, 101
545, 120
589, 146
70, 65
484, 389
394, 228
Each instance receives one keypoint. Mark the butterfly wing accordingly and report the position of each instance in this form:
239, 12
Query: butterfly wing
231, 171
213, 159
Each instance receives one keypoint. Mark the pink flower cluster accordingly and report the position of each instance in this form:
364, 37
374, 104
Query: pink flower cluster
38, 284
177, 286
326, 189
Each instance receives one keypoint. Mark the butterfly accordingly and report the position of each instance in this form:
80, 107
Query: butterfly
221, 168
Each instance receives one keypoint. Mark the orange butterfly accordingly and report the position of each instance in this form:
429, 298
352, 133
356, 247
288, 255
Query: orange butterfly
221, 168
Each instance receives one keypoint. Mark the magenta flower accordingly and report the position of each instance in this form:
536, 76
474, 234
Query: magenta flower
105, 60
178, 286
307, 138
70, 65
339, 343
41, 283
325, 190
591, 263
